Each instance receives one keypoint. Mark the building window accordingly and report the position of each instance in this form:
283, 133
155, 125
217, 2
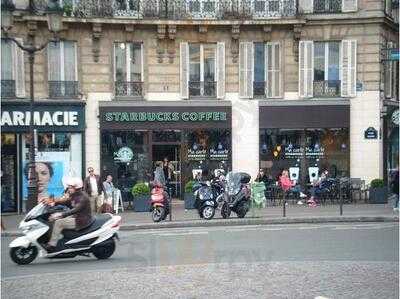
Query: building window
202, 8
128, 74
63, 72
202, 69
12, 70
267, 70
129, 8
327, 6
326, 69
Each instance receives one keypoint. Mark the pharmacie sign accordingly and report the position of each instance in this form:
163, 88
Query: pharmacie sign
55, 118
207, 116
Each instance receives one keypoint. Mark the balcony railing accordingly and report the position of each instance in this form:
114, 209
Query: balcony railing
329, 88
186, 9
202, 89
327, 6
128, 89
63, 89
8, 88
259, 89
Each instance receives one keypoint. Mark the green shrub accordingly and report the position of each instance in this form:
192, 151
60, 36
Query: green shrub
377, 183
68, 8
189, 187
140, 188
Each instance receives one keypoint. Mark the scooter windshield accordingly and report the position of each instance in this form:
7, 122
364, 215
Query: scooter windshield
36, 211
233, 183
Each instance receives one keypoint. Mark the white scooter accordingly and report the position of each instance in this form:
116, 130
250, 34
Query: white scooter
97, 238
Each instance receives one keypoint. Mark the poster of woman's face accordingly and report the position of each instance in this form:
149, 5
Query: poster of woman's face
49, 175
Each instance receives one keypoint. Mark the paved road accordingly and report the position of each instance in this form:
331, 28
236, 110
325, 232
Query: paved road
287, 261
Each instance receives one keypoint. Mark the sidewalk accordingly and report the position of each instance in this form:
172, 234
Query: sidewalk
269, 215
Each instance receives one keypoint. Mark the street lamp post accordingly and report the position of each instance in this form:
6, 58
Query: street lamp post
55, 25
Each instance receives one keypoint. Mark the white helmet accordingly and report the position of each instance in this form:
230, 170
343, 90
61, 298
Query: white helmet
74, 182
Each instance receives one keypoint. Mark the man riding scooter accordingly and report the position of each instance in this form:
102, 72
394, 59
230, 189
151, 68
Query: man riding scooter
78, 217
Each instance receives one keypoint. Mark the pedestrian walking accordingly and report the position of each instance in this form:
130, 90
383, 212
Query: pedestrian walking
93, 186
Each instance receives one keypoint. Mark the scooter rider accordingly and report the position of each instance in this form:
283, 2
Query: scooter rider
78, 217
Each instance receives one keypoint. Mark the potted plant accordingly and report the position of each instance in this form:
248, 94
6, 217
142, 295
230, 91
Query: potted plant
378, 191
188, 196
141, 197
68, 8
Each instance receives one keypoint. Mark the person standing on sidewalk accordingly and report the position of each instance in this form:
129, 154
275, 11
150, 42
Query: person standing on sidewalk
93, 186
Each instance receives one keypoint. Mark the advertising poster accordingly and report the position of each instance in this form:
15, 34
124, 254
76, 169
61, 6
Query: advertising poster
51, 167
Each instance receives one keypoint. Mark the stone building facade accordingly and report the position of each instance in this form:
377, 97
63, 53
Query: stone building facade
291, 76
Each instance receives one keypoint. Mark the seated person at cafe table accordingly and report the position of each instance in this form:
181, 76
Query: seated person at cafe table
289, 185
318, 186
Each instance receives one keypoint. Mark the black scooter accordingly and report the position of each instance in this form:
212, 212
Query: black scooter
208, 196
236, 195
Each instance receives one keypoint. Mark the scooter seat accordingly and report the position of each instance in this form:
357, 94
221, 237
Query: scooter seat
95, 224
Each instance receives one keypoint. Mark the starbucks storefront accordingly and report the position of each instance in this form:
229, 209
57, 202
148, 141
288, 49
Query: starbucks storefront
192, 136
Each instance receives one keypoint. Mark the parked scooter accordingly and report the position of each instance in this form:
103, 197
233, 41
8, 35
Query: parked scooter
208, 196
236, 195
159, 203
96, 238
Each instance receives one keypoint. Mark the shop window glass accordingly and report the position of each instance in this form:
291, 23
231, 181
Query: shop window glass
323, 148
166, 136
125, 156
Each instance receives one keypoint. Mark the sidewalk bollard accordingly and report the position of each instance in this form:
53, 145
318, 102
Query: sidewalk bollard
340, 198
284, 205
170, 205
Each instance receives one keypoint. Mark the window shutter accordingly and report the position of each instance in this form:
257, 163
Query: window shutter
306, 69
242, 70
69, 61
19, 63
349, 5
348, 72
220, 70
273, 67
54, 65
306, 6
389, 74
184, 73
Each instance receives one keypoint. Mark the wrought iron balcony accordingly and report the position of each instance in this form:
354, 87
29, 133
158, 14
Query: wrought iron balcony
63, 89
327, 6
128, 89
186, 9
202, 89
8, 88
259, 89
329, 88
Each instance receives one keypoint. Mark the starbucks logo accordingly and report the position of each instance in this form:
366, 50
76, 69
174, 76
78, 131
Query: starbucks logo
124, 154
395, 117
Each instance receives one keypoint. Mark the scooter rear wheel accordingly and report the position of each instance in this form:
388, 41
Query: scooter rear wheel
158, 214
23, 256
104, 251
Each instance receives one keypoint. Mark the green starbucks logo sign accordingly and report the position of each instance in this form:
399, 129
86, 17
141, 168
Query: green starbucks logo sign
124, 155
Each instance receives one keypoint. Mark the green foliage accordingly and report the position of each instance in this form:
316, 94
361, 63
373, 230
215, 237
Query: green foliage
140, 188
68, 9
377, 183
189, 187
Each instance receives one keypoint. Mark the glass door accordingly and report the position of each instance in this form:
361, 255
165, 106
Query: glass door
8, 173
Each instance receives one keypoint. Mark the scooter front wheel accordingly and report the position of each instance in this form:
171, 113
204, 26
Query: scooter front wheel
158, 214
225, 210
23, 256
208, 212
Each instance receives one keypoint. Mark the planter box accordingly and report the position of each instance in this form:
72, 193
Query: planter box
141, 203
189, 200
378, 195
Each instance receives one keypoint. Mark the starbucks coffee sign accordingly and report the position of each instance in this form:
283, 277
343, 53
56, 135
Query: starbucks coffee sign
165, 117
124, 155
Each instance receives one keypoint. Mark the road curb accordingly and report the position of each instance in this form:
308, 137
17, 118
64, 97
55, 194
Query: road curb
245, 221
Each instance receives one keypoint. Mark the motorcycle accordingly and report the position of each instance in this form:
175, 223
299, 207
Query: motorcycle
97, 238
159, 204
208, 196
236, 195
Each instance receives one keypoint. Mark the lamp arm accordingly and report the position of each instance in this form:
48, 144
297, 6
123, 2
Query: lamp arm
29, 49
